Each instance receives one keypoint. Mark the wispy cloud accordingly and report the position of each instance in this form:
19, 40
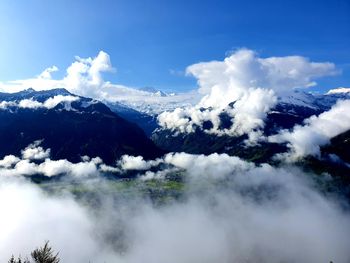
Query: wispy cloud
177, 72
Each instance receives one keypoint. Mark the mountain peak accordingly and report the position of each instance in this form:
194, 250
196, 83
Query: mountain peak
29, 90
154, 91
50, 92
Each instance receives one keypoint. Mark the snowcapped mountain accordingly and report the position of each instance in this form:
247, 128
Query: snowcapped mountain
289, 111
320, 102
154, 91
32, 94
71, 126
153, 102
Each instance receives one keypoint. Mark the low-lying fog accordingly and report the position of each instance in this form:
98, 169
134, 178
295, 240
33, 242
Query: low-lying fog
228, 210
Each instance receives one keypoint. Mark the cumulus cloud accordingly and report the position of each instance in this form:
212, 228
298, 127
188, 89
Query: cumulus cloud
35, 152
136, 163
244, 69
84, 75
240, 215
317, 131
8, 161
245, 87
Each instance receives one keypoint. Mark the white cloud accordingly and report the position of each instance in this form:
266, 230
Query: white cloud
8, 161
35, 152
33, 104
253, 83
48, 167
11, 165
84, 75
54, 101
46, 74
31, 217
197, 165
213, 165
316, 131
5, 104
29, 104
339, 90
128, 162
240, 215
52, 168
225, 81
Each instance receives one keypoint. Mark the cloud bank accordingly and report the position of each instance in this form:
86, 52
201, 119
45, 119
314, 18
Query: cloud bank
232, 211
317, 131
36, 160
33, 104
244, 87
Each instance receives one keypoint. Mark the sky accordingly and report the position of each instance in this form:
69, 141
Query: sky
151, 43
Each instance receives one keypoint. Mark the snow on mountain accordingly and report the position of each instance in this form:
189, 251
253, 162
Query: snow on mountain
154, 102
320, 102
34, 95
71, 126
30, 99
154, 91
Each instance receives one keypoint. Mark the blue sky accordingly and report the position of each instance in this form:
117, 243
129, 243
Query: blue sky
148, 39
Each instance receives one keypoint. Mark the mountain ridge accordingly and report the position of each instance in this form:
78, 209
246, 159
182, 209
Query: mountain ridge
90, 128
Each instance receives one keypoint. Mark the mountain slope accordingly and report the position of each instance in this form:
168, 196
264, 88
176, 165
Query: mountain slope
148, 123
87, 127
290, 110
